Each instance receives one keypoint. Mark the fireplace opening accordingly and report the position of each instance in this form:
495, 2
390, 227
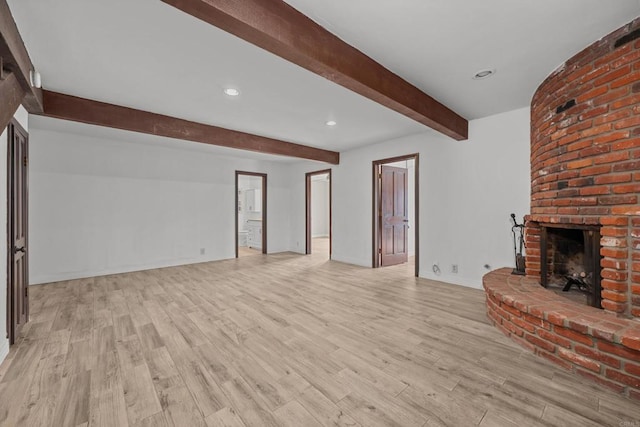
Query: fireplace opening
571, 262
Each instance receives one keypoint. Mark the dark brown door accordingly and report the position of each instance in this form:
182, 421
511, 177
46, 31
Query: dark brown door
18, 272
394, 216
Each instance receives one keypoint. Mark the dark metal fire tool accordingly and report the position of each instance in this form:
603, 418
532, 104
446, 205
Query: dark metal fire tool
518, 243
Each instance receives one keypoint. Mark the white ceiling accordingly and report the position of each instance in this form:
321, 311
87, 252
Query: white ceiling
145, 54
438, 45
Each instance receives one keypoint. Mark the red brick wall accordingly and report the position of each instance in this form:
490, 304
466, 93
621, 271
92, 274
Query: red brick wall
585, 161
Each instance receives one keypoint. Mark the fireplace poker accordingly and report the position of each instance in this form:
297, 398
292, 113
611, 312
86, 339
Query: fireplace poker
518, 242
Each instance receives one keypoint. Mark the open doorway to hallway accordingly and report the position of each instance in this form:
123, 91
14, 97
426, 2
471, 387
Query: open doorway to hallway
318, 213
251, 213
395, 212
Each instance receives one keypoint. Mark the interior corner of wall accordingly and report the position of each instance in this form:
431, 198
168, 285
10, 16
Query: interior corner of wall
351, 260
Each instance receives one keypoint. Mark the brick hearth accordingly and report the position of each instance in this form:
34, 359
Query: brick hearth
593, 343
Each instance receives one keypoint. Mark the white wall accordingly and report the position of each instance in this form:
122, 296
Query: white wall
488, 177
467, 191
102, 206
22, 117
320, 207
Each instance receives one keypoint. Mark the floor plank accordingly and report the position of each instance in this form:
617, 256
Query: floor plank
293, 414
225, 417
280, 340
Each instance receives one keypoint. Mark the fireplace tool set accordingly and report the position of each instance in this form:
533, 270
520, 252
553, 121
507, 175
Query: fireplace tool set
518, 243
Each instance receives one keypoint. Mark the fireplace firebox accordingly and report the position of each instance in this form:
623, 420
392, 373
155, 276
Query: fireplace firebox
570, 262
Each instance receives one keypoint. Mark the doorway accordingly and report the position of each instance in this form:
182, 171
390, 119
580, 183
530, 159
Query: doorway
251, 213
318, 213
17, 230
396, 211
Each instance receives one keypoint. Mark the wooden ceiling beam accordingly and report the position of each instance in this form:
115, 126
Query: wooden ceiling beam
280, 29
16, 59
92, 112
11, 95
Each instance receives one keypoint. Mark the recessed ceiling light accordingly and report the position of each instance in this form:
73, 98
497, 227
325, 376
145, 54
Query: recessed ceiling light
484, 74
231, 91
331, 123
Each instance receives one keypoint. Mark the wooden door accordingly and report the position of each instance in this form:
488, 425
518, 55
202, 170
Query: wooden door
394, 215
17, 224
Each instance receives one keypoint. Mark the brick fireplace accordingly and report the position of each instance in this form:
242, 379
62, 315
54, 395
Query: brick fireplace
585, 176
585, 161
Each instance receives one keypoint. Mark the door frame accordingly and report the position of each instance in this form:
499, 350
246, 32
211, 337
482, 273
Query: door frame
307, 209
264, 208
376, 223
11, 328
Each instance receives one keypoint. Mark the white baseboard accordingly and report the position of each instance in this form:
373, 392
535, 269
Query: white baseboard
453, 279
73, 275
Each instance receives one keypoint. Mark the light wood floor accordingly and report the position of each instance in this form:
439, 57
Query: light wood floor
284, 340
247, 251
320, 247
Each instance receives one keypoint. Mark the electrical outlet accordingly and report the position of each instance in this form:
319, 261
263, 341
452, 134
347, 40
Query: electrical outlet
454, 268
201, 251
